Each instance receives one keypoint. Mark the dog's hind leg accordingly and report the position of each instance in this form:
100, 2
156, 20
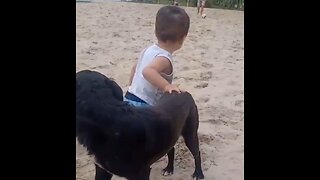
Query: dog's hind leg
190, 135
101, 174
192, 143
169, 169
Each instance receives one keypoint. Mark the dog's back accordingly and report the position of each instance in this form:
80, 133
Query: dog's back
126, 139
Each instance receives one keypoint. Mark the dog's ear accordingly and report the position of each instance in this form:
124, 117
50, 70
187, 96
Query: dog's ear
115, 88
117, 91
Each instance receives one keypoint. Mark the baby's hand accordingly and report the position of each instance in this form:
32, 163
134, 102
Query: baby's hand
170, 87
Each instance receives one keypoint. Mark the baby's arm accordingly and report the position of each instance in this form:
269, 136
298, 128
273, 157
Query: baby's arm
133, 70
152, 74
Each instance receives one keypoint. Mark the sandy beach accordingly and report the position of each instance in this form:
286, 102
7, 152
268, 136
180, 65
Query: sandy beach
210, 65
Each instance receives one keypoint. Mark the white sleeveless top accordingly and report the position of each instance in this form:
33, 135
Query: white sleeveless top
140, 86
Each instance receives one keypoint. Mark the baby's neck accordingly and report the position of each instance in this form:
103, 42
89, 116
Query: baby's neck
168, 46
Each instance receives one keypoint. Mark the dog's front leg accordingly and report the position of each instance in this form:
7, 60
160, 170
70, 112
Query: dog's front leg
169, 169
190, 135
101, 174
191, 139
192, 143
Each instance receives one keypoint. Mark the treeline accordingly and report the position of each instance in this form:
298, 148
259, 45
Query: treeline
226, 4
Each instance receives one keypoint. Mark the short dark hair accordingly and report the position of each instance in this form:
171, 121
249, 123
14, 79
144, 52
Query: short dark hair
172, 23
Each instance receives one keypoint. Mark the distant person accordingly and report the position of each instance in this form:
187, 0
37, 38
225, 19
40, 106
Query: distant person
175, 3
200, 7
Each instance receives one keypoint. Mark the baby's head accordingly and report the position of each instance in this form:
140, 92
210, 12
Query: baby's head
172, 25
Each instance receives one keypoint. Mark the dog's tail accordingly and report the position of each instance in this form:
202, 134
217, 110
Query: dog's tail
89, 134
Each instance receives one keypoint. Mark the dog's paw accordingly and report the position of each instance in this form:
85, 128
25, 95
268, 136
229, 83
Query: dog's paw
198, 175
167, 171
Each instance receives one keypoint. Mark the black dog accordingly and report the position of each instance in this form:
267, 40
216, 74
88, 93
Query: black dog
126, 140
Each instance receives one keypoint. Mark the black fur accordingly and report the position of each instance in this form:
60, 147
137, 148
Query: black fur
127, 140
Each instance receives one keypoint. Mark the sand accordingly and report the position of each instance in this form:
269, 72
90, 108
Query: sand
210, 66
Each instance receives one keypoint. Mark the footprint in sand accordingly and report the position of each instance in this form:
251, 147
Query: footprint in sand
204, 46
205, 76
185, 68
116, 35
202, 100
193, 38
89, 52
232, 83
87, 35
206, 65
201, 85
239, 103
185, 78
206, 139
102, 66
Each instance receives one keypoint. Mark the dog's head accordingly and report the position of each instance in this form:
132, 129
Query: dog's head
92, 82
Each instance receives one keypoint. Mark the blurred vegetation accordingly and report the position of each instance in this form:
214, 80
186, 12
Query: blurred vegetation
225, 4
